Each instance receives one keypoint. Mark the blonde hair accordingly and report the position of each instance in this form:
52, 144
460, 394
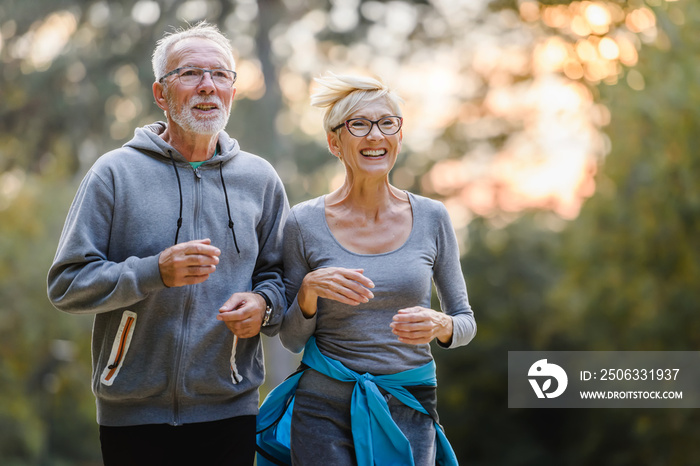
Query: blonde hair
343, 95
202, 30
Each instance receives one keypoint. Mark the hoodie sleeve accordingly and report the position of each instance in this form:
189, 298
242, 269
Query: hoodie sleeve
82, 280
267, 276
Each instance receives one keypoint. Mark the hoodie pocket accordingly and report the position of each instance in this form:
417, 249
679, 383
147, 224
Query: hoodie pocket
119, 347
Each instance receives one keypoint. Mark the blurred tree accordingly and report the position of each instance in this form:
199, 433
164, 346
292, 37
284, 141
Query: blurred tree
632, 257
47, 411
491, 93
623, 275
508, 269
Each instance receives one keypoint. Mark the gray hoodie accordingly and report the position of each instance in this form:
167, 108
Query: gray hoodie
158, 354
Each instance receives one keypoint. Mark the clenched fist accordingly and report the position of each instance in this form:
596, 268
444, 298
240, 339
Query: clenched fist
188, 263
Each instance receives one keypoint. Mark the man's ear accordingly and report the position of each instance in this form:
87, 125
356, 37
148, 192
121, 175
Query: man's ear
159, 95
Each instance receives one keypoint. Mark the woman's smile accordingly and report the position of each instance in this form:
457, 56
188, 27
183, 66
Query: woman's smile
373, 153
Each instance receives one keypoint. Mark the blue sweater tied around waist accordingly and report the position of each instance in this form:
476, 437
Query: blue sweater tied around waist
378, 440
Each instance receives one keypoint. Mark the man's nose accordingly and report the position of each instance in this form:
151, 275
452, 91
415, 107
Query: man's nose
207, 82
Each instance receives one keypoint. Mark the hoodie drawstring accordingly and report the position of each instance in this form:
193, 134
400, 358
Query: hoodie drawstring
179, 187
228, 207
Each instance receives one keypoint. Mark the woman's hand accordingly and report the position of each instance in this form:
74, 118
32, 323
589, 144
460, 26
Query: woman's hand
348, 286
419, 325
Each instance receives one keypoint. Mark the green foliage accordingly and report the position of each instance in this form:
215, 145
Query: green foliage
621, 276
47, 408
508, 272
633, 255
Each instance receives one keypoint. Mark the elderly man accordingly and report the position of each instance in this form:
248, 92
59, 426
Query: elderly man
173, 242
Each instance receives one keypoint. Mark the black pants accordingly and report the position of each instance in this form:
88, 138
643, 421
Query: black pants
225, 442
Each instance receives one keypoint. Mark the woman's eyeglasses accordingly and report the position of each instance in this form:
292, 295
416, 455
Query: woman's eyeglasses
361, 127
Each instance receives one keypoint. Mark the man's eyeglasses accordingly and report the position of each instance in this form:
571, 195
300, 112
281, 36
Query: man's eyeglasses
361, 127
192, 76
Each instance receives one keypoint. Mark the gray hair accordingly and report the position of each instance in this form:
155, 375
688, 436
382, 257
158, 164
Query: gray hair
201, 30
342, 95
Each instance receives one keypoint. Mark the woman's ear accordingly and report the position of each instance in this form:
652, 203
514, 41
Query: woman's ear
333, 144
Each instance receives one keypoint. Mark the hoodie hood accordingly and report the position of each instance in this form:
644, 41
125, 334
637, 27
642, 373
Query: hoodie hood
148, 140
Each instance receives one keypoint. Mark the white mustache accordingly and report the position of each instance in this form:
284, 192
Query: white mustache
200, 99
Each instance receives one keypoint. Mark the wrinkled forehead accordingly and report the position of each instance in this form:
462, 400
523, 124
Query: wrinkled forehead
198, 51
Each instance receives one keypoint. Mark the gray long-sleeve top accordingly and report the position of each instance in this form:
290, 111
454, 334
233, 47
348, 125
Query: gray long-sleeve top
360, 336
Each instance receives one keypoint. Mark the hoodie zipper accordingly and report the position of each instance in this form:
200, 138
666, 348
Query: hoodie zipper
184, 329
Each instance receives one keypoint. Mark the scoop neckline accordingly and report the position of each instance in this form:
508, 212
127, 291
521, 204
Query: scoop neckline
341, 246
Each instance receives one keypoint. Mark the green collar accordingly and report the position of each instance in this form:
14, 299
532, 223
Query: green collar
196, 165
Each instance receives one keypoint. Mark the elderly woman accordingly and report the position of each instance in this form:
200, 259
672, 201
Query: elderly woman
359, 263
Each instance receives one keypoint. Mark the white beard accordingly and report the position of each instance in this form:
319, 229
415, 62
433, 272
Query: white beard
186, 119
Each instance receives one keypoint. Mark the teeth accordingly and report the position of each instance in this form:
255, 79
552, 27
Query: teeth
373, 153
205, 107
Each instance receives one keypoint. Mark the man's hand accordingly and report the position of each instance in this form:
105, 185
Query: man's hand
188, 263
243, 314
418, 325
